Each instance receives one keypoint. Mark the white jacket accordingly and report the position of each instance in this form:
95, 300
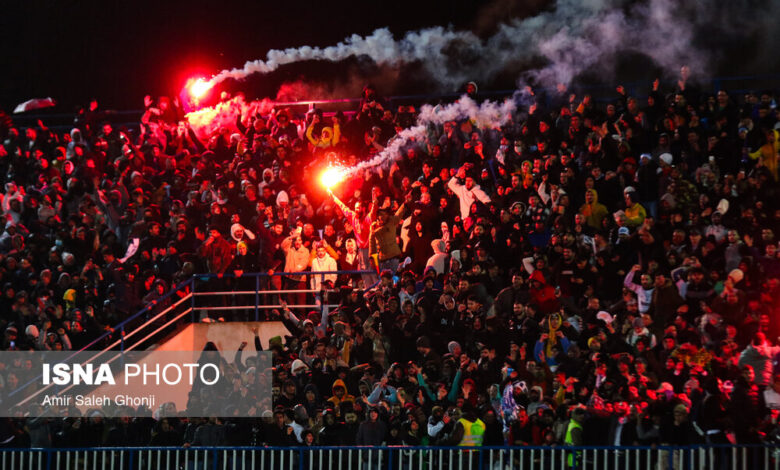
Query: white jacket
322, 264
467, 196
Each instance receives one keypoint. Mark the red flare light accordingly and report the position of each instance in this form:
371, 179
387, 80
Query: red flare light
331, 177
199, 87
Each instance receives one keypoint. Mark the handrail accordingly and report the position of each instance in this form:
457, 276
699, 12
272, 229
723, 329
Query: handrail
282, 273
188, 295
118, 327
139, 313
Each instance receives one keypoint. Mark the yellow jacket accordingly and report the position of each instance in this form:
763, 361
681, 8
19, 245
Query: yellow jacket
767, 154
636, 215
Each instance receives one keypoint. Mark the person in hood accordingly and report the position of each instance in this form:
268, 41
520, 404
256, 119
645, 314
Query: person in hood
340, 394
267, 181
593, 210
331, 432
372, 431
552, 342
542, 294
438, 261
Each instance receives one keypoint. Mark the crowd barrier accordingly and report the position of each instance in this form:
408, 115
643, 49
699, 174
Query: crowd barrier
708, 457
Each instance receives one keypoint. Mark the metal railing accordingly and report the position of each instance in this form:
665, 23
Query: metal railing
704, 457
262, 295
161, 316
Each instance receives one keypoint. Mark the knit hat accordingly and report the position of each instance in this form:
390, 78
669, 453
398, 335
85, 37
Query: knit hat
298, 366
736, 275
31, 331
723, 206
605, 317
276, 341
236, 227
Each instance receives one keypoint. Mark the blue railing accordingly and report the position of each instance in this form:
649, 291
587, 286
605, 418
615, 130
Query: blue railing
703, 457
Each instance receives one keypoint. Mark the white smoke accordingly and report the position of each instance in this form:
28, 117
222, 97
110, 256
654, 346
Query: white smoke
488, 115
574, 36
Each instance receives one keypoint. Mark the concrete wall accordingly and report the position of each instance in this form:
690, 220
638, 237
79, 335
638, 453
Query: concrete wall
226, 335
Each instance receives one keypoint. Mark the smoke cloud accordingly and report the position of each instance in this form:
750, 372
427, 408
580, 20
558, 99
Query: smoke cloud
570, 38
486, 115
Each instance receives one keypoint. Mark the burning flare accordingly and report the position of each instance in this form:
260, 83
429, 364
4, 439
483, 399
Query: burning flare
199, 87
331, 177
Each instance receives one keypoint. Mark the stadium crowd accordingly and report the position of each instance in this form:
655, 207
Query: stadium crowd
603, 266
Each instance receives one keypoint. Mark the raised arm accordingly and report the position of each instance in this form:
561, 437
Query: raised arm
628, 282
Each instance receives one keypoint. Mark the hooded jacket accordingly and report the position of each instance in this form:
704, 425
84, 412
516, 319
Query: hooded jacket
334, 400
438, 260
594, 212
544, 296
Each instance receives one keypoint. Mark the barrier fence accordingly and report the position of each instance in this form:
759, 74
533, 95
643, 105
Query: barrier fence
250, 293
709, 457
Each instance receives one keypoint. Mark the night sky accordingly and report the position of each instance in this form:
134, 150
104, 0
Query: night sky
118, 51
